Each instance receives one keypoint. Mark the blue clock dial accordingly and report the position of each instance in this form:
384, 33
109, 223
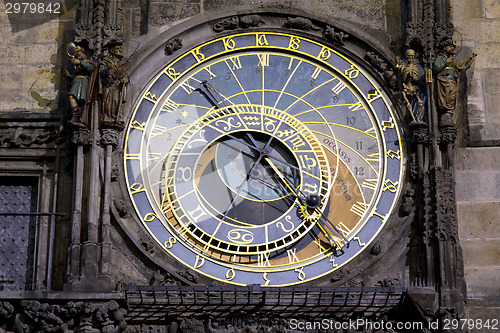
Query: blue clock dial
263, 157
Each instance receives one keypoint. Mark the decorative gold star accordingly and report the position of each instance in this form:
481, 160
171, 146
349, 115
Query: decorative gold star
184, 113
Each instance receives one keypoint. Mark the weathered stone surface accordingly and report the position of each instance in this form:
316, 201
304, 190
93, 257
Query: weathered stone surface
474, 186
479, 252
492, 8
477, 159
468, 9
163, 13
482, 281
478, 220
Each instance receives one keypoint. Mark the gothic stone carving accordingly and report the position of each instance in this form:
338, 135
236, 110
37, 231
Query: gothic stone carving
235, 22
383, 68
35, 316
18, 136
300, 23
173, 45
334, 36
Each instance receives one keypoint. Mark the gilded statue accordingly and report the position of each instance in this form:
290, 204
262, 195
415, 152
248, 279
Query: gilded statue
447, 74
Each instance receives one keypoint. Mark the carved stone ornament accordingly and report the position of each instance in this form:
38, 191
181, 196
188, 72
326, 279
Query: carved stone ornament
300, 23
121, 207
448, 133
173, 45
334, 36
376, 249
236, 22
383, 68
80, 136
110, 136
35, 316
113, 33
419, 132
26, 137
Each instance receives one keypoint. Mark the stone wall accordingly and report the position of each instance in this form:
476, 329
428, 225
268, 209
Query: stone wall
30, 57
477, 166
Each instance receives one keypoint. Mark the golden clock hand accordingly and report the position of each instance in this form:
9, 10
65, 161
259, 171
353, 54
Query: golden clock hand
280, 175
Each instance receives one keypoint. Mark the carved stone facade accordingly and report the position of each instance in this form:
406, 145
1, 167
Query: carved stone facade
87, 262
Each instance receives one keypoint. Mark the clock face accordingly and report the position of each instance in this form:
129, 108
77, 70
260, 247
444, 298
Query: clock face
263, 158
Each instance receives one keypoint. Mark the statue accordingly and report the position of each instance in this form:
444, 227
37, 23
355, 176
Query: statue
81, 84
410, 75
447, 76
114, 81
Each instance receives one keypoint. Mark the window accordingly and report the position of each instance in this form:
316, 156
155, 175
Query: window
18, 199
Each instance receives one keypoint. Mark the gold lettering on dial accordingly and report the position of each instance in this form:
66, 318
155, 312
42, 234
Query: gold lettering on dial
315, 74
263, 59
198, 55
356, 107
229, 43
387, 124
361, 244
172, 73
297, 142
236, 62
261, 40
307, 162
324, 54
394, 154
373, 96
230, 274
187, 87
169, 106
301, 275
370, 184
310, 188
359, 208
332, 260
207, 69
390, 186
280, 224
149, 217
352, 72
264, 276
136, 188
137, 125
151, 97
292, 255
263, 260
199, 261
294, 43
338, 88
171, 241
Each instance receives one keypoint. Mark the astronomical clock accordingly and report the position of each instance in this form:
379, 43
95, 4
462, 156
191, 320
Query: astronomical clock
263, 157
